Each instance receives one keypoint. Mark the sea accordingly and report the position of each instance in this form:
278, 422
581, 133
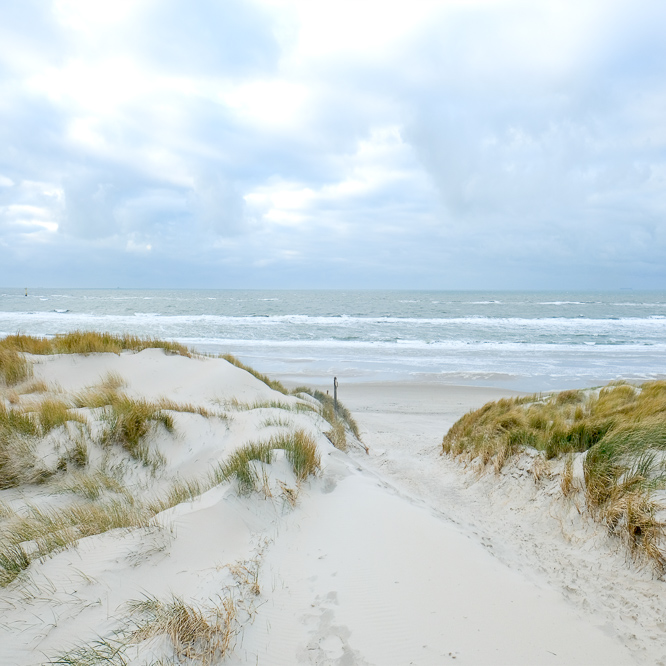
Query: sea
522, 340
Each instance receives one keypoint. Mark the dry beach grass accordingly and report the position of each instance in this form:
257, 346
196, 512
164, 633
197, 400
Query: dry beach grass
619, 434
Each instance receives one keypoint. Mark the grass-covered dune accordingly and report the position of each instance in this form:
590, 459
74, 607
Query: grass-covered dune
86, 342
618, 432
105, 451
85, 444
14, 368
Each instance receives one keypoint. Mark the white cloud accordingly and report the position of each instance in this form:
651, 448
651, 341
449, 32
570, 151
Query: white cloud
268, 103
86, 16
416, 143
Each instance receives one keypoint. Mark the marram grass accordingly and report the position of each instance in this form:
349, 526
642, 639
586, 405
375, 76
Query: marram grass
300, 450
237, 466
53, 530
272, 383
86, 342
19, 462
241, 406
51, 414
337, 435
13, 367
103, 502
129, 421
90, 485
340, 420
198, 634
621, 429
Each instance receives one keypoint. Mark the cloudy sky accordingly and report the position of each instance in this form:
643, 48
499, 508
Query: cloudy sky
347, 143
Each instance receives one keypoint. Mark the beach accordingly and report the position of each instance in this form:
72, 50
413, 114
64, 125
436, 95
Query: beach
394, 555
332, 333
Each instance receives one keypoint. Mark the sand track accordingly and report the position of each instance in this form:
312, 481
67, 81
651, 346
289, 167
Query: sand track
525, 525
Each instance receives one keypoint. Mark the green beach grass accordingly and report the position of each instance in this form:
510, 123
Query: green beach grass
620, 430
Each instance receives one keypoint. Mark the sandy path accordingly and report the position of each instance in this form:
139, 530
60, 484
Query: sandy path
520, 523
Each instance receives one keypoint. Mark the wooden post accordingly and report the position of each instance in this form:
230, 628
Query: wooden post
335, 395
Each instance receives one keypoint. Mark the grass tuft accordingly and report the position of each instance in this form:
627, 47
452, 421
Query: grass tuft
100, 652
169, 405
53, 530
129, 421
16, 422
76, 455
180, 491
301, 450
567, 479
196, 633
276, 422
238, 465
329, 413
272, 383
87, 342
622, 431
14, 368
112, 381
56, 529
339, 420
52, 414
35, 386
13, 560
18, 461
337, 435
91, 485
96, 397
241, 406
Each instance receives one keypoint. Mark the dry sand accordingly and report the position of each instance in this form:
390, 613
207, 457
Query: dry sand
393, 557
525, 525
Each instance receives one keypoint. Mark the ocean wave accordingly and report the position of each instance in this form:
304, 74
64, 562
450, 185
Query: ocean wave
402, 345
349, 320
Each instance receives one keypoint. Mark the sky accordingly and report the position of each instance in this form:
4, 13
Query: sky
417, 144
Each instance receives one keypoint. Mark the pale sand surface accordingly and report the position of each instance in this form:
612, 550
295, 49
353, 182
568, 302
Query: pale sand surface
391, 557
526, 525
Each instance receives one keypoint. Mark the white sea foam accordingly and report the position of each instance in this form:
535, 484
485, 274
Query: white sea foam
654, 320
545, 338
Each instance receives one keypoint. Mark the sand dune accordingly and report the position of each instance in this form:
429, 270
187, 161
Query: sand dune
378, 559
